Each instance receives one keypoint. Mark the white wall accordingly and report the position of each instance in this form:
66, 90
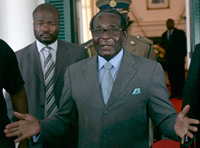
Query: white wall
16, 22
153, 21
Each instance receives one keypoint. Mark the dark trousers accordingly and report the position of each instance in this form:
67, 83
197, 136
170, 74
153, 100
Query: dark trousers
176, 74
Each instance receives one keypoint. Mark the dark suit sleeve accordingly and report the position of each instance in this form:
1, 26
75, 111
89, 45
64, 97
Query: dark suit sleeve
160, 108
192, 85
64, 122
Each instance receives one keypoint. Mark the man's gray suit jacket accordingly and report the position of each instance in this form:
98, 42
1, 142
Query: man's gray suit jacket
30, 68
139, 92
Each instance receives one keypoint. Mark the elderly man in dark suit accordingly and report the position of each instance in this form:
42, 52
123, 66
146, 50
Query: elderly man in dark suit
44, 81
191, 89
110, 96
174, 43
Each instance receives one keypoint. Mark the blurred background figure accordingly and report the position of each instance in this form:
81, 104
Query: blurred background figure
174, 43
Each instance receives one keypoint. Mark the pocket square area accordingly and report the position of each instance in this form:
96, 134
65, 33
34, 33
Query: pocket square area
136, 91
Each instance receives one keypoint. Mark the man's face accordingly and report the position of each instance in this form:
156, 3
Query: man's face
170, 24
46, 27
107, 45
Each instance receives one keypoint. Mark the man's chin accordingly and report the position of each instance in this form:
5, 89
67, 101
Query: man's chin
106, 56
47, 42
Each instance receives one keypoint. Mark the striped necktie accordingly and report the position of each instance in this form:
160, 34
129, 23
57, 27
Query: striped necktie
106, 82
49, 68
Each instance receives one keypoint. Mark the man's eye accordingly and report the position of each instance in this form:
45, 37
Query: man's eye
112, 30
40, 24
98, 31
53, 24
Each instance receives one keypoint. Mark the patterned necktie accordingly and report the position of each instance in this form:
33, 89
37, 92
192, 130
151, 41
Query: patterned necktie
106, 82
49, 68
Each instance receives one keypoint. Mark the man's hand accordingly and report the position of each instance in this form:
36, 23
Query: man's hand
26, 127
183, 125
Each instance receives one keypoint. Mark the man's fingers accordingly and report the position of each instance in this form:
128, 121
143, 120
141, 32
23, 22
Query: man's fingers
10, 130
185, 110
193, 121
188, 133
183, 140
11, 134
193, 128
19, 115
12, 125
20, 138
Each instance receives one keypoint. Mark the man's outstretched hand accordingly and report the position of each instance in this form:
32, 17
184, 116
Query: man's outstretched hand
183, 124
26, 127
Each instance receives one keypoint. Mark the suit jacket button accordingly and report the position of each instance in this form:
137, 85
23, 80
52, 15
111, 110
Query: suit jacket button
106, 112
105, 135
42, 106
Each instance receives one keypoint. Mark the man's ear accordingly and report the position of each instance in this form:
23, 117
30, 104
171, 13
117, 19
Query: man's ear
125, 35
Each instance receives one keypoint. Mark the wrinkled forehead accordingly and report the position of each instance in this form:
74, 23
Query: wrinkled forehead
45, 16
107, 20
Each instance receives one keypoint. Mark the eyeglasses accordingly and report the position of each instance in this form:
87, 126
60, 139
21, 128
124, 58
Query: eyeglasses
110, 31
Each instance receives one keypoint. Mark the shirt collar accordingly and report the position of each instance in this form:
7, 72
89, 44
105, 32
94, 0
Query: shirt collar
171, 30
40, 46
115, 61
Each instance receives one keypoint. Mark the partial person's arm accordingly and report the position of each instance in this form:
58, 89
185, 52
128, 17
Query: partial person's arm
20, 104
19, 101
13, 84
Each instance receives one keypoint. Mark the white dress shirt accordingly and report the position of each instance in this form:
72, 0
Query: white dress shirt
44, 52
115, 61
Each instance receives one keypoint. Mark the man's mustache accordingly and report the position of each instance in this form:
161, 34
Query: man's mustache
46, 33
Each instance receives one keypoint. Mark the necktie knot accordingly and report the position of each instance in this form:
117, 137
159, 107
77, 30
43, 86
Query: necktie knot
48, 49
108, 66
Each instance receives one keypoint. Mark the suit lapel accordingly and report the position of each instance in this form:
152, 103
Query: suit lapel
124, 76
61, 55
91, 76
33, 55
